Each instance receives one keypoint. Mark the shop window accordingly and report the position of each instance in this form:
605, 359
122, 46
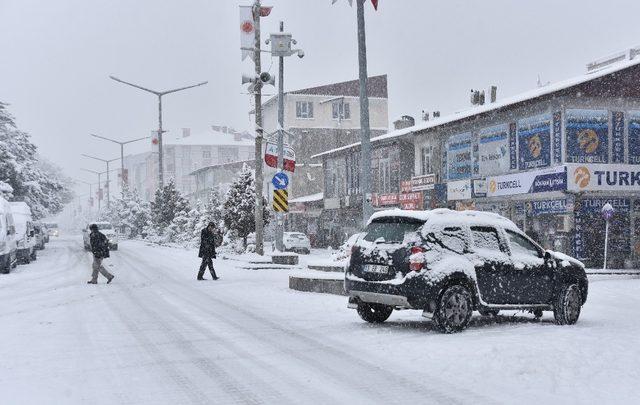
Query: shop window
384, 176
521, 246
340, 110
485, 238
425, 160
304, 109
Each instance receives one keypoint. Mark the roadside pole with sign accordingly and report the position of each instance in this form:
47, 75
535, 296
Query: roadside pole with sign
607, 214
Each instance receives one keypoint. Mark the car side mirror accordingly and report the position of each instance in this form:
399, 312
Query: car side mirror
547, 256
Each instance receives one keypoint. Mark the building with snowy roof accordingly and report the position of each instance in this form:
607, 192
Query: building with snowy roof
185, 153
321, 118
548, 159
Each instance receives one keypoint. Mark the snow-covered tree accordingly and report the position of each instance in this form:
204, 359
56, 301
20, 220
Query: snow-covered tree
167, 203
209, 211
239, 207
129, 213
34, 180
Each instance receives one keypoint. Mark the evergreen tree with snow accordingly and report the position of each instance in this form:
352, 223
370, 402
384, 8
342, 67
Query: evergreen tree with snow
33, 180
167, 203
210, 211
239, 207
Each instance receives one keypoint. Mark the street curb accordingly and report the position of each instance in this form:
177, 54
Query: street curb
317, 285
334, 269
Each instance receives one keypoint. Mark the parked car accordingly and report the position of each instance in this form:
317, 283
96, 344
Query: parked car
25, 234
107, 229
52, 229
296, 242
8, 246
40, 235
449, 263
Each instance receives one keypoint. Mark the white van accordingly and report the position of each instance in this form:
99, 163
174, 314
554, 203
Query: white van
25, 234
8, 247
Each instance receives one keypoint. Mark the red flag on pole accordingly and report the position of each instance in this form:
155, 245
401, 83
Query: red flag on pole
375, 4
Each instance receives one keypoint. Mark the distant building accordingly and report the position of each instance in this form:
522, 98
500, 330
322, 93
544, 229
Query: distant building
321, 118
183, 155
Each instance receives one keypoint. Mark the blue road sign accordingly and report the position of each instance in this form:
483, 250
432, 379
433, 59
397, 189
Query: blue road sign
280, 181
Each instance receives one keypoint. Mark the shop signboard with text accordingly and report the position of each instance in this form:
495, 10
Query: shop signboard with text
380, 200
634, 137
459, 190
422, 183
603, 177
545, 207
411, 201
493, 150
534, 140
535, 181
587, 136
459, 157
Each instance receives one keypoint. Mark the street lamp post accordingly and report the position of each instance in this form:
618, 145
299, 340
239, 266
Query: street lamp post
107, 161
121, 143
159, 94
90, 189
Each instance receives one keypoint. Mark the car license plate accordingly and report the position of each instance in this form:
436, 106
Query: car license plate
376, 268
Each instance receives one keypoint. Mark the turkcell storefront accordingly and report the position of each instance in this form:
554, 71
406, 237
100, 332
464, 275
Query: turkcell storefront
550, 161
551, 174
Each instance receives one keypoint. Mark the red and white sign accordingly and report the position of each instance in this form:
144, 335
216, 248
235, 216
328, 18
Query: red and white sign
271, 157
411, 201
385, 199
405, 186
425, 182
247, 31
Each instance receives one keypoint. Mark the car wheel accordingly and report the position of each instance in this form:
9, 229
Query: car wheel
489, 312
454, 309
537, 313
566, 308
34, 255
374, 313
7, 267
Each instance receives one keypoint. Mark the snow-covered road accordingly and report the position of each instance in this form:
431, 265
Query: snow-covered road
158, 336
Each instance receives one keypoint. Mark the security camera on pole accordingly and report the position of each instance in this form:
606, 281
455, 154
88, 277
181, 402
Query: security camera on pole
607, 214
281, 46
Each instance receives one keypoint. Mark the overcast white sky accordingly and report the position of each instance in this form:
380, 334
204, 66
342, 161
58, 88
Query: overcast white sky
57, 55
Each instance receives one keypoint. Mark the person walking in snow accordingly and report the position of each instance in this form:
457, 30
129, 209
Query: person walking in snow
207, 250
100, 250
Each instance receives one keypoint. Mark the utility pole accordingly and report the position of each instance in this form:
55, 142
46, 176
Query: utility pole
159, 94
259, 133
365, 163
280, 215
99, 183
107, 161
121, 143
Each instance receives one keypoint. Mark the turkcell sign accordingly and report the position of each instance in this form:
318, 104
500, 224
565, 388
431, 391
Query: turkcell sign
543, 207
536, 181
603, 177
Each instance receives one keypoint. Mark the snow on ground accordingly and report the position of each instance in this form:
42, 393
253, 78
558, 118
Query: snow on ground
158, 336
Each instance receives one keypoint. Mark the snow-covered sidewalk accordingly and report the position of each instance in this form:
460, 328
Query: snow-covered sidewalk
158, 336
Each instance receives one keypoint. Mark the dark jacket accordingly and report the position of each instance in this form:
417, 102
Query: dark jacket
207, 244
99, 245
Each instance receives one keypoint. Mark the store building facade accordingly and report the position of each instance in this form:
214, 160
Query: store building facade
548, 159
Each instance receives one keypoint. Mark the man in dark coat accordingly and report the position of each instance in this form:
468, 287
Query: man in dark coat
100, 250
207, 250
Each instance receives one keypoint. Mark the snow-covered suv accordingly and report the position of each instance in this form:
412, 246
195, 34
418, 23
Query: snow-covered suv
449, 263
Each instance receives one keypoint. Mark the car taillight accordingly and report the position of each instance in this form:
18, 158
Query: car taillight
416, 260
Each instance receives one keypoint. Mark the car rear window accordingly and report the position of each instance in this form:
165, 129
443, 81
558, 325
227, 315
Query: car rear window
391, 229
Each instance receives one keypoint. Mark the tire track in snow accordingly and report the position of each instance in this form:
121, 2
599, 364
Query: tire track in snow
256, 383
368, 378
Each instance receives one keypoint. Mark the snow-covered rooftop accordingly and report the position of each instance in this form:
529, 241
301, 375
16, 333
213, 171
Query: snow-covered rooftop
209, 137
522, 97
308, 198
